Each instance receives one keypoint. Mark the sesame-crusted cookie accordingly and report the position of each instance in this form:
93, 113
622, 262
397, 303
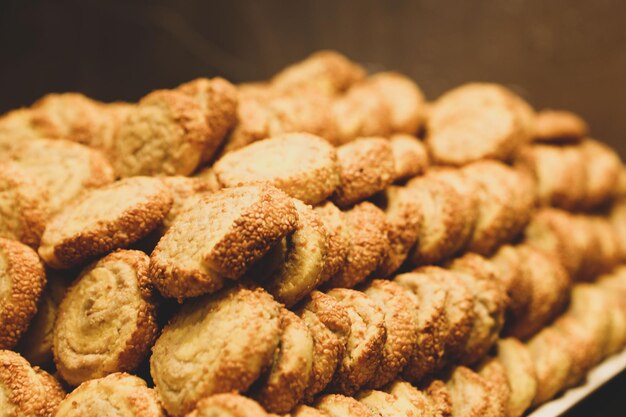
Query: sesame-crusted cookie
306, 411
366, 166
401, 325
228, 405
431, 322
439, 398
23, 205
559, 126
214, 344
338, 237
65, 169
283, 387
410, 156
520, 373
583, 348
127, 394
165, 134
27, 391
470, 394
107, 320
369, 244
219, 237
329, 324
218, 100
403, 98
302, 165
494, 373
103, 219
406, 394
385, 404
603, 168
366, 341
22, 279
337, 405
182, 188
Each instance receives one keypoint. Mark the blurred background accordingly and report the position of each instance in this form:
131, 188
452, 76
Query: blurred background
562, 53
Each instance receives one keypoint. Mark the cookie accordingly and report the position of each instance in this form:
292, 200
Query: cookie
410, 156
283, 387
182, 188
337, 405
401, 325
228, 405
213, 345
197, 254
22, 279
25, 205
559, 126
470, 394
302, 165
364, 350
104, 219
409, 397
520, 372
27, 390
494, 373
439, 398
582, 348
366, 166
338, 237
603, 167
385, 404
125, 393
306, 411
368, 230
107, 320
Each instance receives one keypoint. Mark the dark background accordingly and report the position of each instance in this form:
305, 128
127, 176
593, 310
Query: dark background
559, 53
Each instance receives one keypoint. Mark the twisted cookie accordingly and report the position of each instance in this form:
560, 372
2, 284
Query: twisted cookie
228, 405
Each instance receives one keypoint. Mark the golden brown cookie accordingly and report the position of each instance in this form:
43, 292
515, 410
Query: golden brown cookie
582, 348
494, 373
218, 100
559, 126
27, 391
369, 244
182, 188
520, 373
125, 393
439, 398
385, 404
603, 167
400, 322
470, 394
297, 263
366, 166
165, 134
22, 279
302, 165
338, 237
406, 395
364, 350
198, 253
213, 345
24, 208
228, 405
337, 405
283, 387
431, 324
306, 411
410, 156
329, 324
16, 128
104, 219
107, 320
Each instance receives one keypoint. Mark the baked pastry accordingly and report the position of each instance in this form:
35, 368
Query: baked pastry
22, 279
338, 238
385, 404
197, 254
582, 348
337, 405
104, 219
520, 372
364, 350
410, 156
27, 391
228, 405
406, 395
439, 398
559, 126
107, 320
127, 394
306, 411
471, 394
181, 189
496, 376
214, 344
302, 165
603, 168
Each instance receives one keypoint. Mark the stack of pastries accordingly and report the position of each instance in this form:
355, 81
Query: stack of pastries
326, 243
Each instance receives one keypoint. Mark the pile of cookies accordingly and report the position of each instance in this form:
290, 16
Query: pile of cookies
326, 243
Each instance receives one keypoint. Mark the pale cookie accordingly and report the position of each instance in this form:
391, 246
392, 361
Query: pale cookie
431, 324
337, 405
182, 188
338, 237
470, 394
106, 218
439, 398
398, 307
23, 205
603, 167
219, 238
520, 372
366, 166
107, 320
329, 324
406, 395
65, 169
495, 374
283, 387
218, 100
297, 262
582, 348
385, 404
369, 244
366, 341
126, 394
16, 128
165, 134
306, 411
213, 345
559, 126
410, 156
302, 165
403, 98
22, 279
228, 405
